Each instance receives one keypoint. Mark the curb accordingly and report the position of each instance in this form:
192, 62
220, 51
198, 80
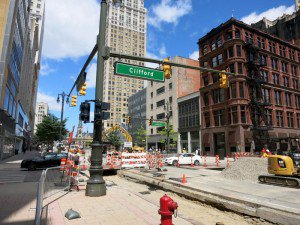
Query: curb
219, 201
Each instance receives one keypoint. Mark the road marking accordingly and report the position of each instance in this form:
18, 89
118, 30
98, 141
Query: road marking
11, 176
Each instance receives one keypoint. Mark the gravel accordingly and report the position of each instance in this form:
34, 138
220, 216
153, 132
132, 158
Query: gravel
246, 169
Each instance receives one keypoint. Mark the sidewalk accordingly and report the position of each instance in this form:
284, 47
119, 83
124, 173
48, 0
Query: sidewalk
119, 206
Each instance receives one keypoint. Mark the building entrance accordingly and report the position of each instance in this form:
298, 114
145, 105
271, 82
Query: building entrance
219, 145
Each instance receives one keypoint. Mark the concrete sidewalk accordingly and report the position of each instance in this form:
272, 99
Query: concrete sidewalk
119, 206
276, 204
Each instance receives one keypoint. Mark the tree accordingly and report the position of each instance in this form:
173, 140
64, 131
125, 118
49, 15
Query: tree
172, 136
140, 136
48, 130
115, 140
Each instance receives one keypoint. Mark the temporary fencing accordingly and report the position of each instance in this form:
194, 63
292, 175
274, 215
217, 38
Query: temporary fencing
217, 160
205, 162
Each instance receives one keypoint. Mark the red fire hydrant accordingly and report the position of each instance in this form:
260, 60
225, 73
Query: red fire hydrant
167, 208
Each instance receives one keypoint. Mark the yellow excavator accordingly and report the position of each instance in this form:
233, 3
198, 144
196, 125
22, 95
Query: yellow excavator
285, 170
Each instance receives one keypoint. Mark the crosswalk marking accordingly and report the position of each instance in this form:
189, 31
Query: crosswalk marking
11, 176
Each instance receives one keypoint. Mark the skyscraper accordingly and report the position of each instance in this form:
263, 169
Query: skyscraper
126, 33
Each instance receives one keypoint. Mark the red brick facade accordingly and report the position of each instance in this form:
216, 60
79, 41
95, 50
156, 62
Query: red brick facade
225, 114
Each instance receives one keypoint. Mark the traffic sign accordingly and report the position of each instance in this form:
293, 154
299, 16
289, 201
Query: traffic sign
158, 124
124, 69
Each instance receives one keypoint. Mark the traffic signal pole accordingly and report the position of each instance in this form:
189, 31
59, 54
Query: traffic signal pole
96, 185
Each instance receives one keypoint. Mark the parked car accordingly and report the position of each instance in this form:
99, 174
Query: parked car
184, 159
49, 160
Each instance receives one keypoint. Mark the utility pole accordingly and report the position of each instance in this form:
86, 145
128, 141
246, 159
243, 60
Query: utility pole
63, 95
96, 185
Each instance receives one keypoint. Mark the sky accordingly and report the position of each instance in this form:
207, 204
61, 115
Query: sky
173, 29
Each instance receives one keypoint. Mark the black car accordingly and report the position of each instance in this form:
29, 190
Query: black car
49, 160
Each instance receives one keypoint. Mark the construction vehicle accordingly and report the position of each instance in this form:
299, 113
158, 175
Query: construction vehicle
285, 170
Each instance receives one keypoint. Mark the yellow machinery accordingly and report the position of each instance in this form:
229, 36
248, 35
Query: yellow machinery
286, 174
117, 127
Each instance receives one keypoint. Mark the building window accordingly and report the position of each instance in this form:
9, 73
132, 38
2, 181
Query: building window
219, 59
219, 41
266, 95
294, 69
277, 97
206, 99
160, 116
205, 80
230, 52
286, 82
290, 119
160, 103
288, 99
264, 75
207, 119
234, 115
233, 90
297, 101
204, 49
151, 130
219, 117
243, 114
279, 117
276, 78
170, 99
151, 94
213, 45
151, 106
240, 68
295, 84
262, 59
249, 38
274, 63
298, 120
282, 51
241, 89
272, 47
160, 90
284, 66
170, 86
269, 117
229, 35
214, 62
218, 96
216, 77
292, 54
231, 68
237, 33
238, 50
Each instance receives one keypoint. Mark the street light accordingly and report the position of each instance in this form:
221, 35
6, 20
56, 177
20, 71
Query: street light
63, 95
96, 185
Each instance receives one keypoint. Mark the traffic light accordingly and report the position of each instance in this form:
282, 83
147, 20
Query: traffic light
85, 112
223, 80
74, 100
100, 107
150, 122
82, 90
128, 121
167, 69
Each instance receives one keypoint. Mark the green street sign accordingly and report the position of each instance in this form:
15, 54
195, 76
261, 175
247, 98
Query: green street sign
124, 69
158, 124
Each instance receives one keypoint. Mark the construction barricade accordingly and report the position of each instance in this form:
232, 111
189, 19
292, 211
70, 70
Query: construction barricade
133, 160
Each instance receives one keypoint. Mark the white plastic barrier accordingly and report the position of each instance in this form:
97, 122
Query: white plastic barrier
134, 160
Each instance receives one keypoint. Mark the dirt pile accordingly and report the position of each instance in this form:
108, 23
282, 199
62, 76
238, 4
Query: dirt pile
246, 169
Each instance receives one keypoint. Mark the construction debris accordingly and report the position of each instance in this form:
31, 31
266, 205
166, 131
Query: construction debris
246, 169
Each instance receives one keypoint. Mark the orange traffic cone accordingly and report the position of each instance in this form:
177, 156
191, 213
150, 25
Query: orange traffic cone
183, 181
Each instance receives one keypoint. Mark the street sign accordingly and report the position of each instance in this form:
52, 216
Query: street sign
158, 124
128, 70
127, 144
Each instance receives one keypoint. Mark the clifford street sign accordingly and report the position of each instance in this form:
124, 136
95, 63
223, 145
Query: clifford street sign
158, 124
124, 69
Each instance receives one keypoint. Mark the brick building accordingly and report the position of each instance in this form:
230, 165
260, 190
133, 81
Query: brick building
226, 121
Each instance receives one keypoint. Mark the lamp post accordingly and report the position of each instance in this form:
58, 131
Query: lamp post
63, 95
167, 108
96, 185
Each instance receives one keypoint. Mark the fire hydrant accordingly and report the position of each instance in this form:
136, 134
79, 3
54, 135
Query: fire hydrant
167, 208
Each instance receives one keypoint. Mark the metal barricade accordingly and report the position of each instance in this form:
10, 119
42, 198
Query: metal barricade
51, 182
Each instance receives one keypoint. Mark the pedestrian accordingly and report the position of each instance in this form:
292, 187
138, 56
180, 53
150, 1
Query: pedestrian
24, 146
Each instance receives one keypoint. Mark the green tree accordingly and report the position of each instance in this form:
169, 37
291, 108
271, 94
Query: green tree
48, 130
115, 140
172, 136
140, 137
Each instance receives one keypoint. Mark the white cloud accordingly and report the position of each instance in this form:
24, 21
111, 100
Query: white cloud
71, 27
163, 51
194, 55
153, 56
168, 11
46, 69
91, 76
270, 14
53, 105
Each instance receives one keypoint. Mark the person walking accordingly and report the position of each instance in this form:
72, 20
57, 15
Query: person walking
24, 146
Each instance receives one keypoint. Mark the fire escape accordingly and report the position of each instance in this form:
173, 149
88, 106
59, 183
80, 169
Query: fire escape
258, 105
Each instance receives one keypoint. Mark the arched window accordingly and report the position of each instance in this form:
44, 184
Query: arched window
237, 33
229, 35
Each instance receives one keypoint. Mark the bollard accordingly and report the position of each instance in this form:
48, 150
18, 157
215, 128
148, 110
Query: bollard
204, 164
192, 164
227, 159
167, 208
217, 160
